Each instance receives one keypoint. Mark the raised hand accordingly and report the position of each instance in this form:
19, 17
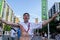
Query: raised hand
55, 15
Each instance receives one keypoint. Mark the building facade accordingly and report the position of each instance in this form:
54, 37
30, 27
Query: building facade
6, 13
36, 20
55, 8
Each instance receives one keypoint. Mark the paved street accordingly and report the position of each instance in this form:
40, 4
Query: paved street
0, 38
6, 38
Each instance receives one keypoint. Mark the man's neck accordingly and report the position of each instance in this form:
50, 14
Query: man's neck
25, 21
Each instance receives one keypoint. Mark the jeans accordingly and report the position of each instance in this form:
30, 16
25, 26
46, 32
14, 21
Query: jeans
18, 38
12, 38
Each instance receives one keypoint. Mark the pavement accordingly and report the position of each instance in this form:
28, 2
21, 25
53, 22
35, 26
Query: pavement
9, 38
5, 37
0, 38
51, 39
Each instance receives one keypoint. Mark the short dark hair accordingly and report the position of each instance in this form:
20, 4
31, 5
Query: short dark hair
25, 14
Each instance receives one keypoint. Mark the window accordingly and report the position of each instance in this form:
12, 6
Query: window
54, 9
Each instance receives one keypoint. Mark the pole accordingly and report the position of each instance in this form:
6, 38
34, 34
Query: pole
48, 23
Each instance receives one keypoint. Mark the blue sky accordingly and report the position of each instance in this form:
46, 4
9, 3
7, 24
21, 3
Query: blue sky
33, 7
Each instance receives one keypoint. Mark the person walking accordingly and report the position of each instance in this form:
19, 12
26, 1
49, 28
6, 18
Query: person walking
13, 33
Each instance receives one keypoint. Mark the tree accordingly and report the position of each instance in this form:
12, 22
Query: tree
7, 27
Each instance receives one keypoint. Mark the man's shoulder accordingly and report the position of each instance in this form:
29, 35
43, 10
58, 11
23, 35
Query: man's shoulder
21, 22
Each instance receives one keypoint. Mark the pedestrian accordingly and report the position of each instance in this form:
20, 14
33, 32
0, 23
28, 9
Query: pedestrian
45, 35
13, 33
57, 37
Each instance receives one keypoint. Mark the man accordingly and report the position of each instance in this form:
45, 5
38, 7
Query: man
27, 27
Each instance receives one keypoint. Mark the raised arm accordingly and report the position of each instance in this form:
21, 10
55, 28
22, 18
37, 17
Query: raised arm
21, 27
9, 23
49, 20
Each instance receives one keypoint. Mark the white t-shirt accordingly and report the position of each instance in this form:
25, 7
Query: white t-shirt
32, 26
13, 33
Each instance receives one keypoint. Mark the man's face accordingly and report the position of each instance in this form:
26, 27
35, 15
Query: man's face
26, 17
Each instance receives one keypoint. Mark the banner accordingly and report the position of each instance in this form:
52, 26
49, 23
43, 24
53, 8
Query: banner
44, 9
0, 6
